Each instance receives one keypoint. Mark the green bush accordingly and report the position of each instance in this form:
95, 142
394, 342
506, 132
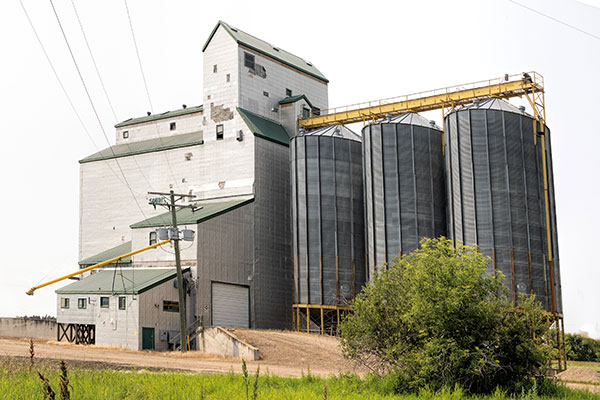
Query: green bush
435, 319
581, 348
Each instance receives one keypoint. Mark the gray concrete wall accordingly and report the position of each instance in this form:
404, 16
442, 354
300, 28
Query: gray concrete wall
217, 340
225, 254
28, 327
272, 290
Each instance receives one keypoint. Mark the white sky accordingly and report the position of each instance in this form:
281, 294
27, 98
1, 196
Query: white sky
368, 50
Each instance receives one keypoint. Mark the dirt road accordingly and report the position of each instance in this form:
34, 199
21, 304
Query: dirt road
320, 355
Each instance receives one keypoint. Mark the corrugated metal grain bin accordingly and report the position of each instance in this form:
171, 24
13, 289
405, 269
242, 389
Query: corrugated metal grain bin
404, 186
327, 216
496, 198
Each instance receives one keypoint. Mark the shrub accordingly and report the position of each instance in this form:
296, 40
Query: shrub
436, 319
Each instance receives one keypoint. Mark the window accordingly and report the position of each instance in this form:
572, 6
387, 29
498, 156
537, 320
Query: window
170, 306
125, 134
220, 132
152, 238
104, 302
173, 126
228, 78
316, 111
249, 60
305, 112
288, 92
64, 302
215, 69
122, 300
81, 303
266, 94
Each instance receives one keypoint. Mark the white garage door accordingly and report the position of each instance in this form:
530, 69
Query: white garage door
230, 305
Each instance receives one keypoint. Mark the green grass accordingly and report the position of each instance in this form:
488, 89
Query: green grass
18, 381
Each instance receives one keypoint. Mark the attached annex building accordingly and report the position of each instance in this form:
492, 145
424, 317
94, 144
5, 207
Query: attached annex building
232, 153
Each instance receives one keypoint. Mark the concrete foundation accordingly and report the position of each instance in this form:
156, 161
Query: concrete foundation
218, 340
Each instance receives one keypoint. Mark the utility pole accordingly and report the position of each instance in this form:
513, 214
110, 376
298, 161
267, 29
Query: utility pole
174, 235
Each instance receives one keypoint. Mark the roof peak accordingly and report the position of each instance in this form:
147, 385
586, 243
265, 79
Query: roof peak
166, 114
265, 48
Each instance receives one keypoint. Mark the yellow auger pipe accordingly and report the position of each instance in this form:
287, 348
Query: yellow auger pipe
33, 289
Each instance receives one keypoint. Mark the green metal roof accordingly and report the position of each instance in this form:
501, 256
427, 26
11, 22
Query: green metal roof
293, 99
264, 127
121, 281
185, 216
156, 117
268, 50
108, 254
146, 146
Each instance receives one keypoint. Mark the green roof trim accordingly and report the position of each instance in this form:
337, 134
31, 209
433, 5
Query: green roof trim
293, 99
185, 216
146, 146
116, 251
268, 50
265, 128
121, 281
165, 115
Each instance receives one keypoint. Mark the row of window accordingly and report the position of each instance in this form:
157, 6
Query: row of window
168, 305
104, 302
172, 127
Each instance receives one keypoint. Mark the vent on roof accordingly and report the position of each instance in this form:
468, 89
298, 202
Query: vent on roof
309, 63
233, 29
522, 109
275, 48
432, 123
149, 113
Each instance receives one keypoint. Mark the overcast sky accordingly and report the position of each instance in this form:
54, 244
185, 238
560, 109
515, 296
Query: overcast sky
368, 51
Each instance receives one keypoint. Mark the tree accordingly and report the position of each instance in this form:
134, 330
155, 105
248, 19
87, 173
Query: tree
436, 318
581, 348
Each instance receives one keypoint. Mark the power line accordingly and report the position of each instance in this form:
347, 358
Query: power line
104, 88
94, 109
137, 52
63, 86
555, 19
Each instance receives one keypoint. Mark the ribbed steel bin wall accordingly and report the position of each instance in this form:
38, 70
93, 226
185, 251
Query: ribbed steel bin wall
496, 196
405, 196
327, 218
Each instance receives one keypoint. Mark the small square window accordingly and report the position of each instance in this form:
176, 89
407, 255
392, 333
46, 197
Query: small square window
288, 92
81, 303
152, 238
64, 302
170, 306
220, 132
125, 134
228, 78
305, 112
122, 302
266, 94
316, 111
173, 126
215, 68
104, 302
